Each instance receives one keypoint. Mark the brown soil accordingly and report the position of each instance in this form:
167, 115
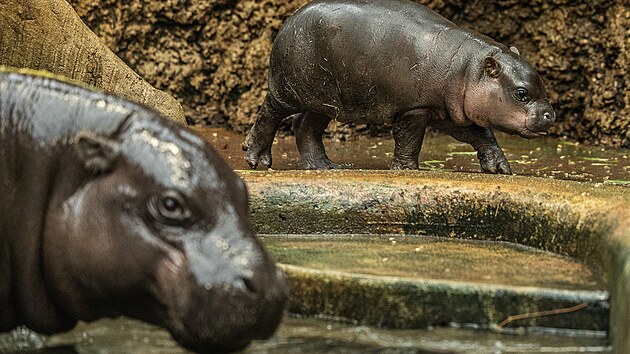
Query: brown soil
212, 55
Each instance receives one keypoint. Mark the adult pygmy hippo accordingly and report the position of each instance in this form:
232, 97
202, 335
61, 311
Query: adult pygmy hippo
395, 61
108, 209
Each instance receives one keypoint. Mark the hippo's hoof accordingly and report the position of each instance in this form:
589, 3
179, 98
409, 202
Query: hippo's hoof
253, 158
254, 153
403, 165
494, 161
323, 164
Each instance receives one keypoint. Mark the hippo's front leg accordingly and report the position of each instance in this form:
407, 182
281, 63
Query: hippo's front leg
489, 153
408, 133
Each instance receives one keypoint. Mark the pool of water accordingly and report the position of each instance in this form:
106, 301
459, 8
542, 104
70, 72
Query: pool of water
300, 335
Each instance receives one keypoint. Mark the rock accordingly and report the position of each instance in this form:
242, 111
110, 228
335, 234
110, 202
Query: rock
49, 35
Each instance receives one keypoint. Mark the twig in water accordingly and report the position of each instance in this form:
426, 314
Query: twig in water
510, 319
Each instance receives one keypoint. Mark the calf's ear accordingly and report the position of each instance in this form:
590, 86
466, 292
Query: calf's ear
492, 67
98, 154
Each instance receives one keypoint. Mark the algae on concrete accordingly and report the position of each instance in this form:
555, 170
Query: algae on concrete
433, 258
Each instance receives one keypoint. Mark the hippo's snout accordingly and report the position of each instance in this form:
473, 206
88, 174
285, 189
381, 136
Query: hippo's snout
227, 315
271, 286
541, 120
548, 117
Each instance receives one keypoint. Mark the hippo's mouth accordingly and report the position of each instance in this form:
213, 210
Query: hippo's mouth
530, 134
216, 316
523, 132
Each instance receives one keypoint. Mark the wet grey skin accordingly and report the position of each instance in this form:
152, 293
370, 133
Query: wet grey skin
108, 209
395, 62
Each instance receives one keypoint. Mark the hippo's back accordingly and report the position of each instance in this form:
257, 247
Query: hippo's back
399, 10
334, 29
362, 59
49, 111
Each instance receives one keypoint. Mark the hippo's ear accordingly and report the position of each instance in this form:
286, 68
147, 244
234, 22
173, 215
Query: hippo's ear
99, 154
492, 67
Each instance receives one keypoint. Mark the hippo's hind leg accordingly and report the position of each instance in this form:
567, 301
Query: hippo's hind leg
408, 134
309, 128
260, 138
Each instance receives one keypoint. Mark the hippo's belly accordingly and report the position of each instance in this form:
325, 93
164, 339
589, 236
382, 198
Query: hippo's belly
369, 114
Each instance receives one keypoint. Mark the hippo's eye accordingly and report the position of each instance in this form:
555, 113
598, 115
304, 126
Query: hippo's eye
169, 208
521, 94
172, 206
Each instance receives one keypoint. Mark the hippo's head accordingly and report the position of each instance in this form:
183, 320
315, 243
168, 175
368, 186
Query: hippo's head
159, 231
509, 96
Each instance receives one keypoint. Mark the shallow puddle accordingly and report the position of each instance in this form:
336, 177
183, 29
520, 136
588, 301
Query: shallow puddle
544, 157
435, 258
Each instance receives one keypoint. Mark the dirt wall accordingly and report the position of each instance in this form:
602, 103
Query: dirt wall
212, 55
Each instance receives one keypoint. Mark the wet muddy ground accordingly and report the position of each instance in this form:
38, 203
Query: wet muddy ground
543, 157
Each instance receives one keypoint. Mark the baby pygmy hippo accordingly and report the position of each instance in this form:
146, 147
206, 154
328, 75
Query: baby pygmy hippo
395, 62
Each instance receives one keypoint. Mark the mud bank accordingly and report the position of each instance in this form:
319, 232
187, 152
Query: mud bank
212, 55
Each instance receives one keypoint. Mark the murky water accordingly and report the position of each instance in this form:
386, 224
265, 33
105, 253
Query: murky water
308, 336
544, 157
433, 258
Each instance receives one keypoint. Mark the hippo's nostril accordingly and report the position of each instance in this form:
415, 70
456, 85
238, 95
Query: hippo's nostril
547, 116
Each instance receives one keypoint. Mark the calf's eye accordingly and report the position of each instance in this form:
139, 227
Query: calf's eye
521, 94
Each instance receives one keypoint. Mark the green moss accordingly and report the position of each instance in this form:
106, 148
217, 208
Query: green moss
432, 258
406, 304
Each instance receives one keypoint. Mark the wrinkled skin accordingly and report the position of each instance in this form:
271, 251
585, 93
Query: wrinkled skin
395, 62
108, 209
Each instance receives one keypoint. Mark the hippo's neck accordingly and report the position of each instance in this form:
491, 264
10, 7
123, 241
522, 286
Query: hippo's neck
39, 118
466, 69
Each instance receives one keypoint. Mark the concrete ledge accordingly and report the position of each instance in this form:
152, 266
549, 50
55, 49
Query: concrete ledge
590, 222
405, 303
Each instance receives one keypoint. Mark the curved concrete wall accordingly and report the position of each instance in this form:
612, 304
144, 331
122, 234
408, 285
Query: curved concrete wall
590, 222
